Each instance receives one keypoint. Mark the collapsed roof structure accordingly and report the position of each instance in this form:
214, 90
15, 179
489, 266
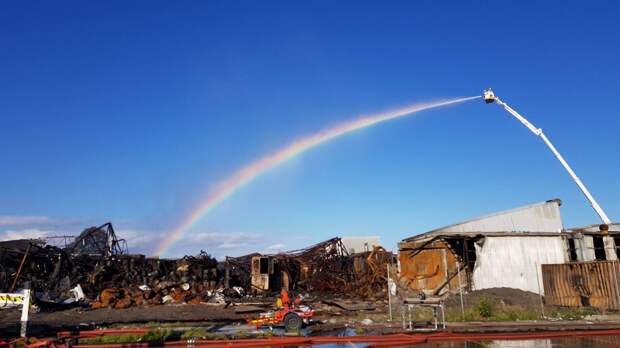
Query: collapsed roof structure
52, 271
98, 264
97, 241
326, 267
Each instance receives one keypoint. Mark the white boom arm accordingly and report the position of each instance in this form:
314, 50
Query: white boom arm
489, 97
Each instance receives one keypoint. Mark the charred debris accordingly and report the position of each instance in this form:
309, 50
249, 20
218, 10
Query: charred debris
324, 268
95, 269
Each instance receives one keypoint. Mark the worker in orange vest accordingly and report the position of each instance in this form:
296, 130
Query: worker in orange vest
284, 301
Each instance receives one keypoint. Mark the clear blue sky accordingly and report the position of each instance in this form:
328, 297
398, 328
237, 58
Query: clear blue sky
128, 111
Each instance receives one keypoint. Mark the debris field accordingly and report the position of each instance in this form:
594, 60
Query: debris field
95, 270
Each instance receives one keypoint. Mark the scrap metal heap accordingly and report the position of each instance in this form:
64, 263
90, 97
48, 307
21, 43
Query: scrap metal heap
137, 280
97, 242
24, 262
53, 272
95, 269
371, 270
324, 268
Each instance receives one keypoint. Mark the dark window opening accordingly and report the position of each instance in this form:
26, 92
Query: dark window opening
264, 265
617, 242
456, 245
599, 248
471, 252
465, 250
571, 249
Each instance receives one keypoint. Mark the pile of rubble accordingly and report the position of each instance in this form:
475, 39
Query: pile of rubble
140, 281
95, 269
52, 272
324, 268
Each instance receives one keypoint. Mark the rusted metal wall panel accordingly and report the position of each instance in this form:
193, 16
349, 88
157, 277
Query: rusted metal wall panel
427, 270
595, 284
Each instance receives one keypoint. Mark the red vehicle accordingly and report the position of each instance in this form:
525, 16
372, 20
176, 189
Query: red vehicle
291, 315
292, 318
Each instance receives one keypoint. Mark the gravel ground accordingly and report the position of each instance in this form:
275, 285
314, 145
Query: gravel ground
75, 318
506, 296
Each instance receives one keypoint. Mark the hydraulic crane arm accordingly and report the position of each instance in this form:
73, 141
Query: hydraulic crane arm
489, 97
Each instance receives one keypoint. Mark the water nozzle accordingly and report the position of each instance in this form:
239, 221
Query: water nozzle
489, 96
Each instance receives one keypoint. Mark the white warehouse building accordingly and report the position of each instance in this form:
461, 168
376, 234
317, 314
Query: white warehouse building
505, 249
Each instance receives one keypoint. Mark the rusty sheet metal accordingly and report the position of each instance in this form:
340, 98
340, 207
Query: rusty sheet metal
428, 269
580, 284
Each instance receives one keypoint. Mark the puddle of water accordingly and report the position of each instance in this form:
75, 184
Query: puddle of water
341, 332
604, 341
566, 342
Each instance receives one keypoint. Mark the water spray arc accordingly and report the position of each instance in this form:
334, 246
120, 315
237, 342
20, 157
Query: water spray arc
489, 98
230, 185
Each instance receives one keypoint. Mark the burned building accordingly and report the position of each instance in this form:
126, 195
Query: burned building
97, 242
594, 243
326, 267
319, 266
591, 275
96, 265
53, 271
504, 249
524, 248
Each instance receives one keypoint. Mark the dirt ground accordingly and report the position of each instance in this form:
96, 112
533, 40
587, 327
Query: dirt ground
335, 313
49, 322
504, 296
73, 319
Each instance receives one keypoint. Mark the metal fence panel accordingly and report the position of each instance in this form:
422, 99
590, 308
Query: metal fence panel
583, 284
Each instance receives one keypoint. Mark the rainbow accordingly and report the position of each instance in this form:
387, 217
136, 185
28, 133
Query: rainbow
230, 185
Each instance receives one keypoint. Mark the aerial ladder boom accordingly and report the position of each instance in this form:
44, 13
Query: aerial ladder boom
489, 97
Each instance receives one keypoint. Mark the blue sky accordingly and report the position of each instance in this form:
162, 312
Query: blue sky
129, 112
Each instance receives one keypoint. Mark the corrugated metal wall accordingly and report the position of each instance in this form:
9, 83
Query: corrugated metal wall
578, 284
542, 217
514, 262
